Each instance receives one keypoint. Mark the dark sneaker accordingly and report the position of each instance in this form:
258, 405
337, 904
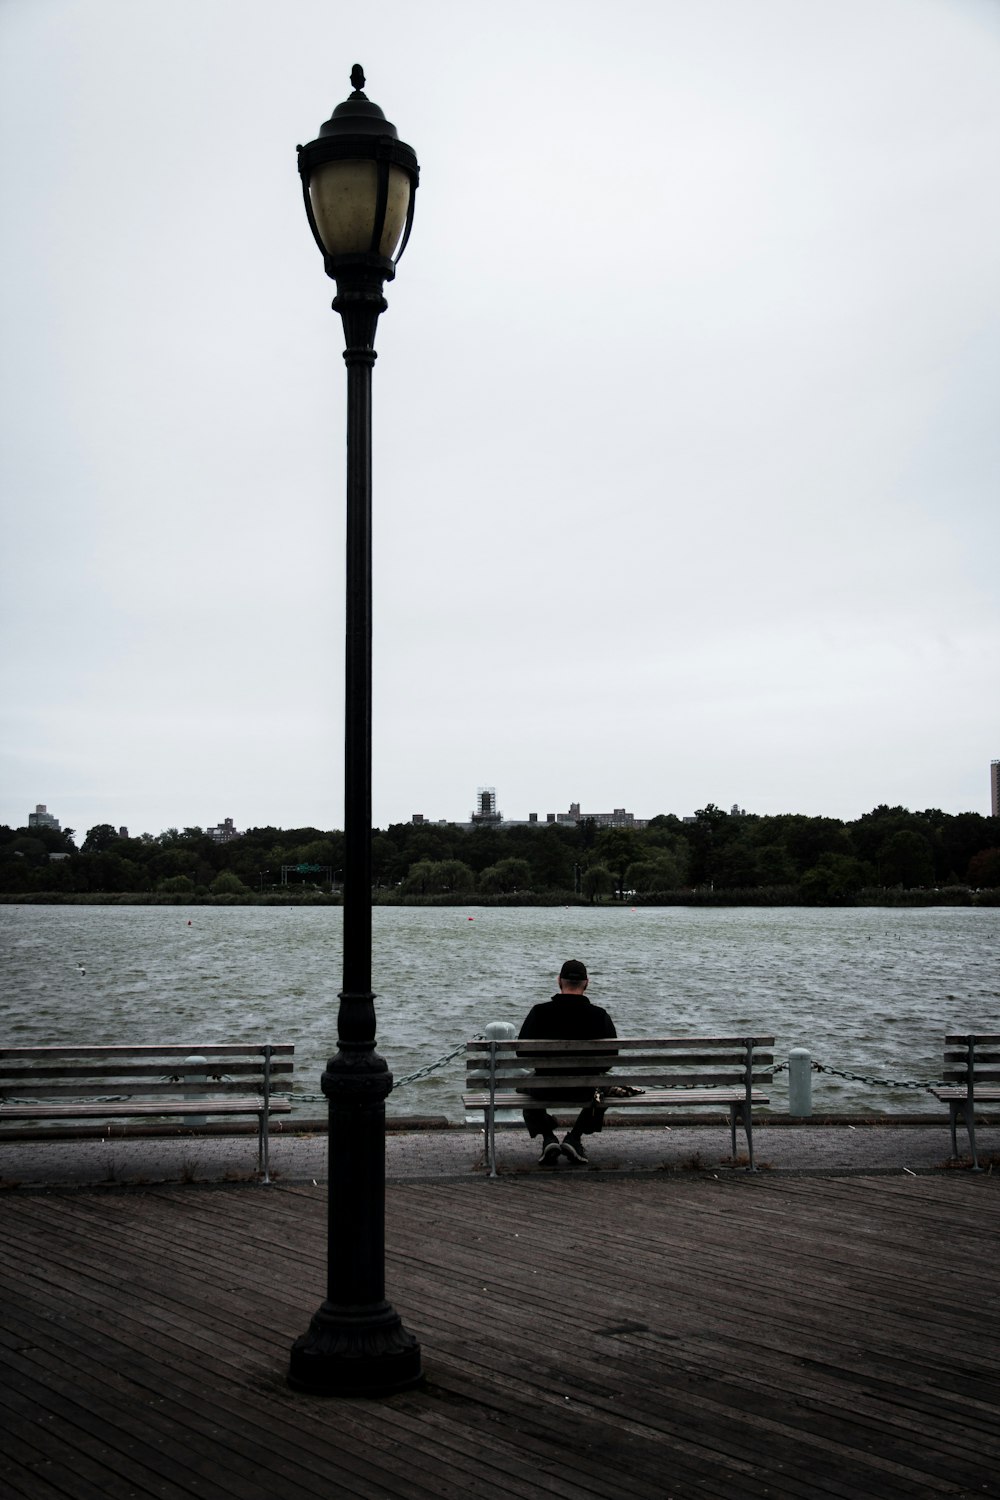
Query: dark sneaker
572, 1147
550, 1152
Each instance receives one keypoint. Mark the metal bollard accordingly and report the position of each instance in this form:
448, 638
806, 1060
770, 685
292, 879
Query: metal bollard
495, 1031
800, 1082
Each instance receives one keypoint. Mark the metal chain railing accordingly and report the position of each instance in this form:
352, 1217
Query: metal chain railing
781, 1067
399, 1083
433, 1067
885, 1083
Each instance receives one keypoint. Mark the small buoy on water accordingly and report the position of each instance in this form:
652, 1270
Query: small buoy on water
471, 919
189, 921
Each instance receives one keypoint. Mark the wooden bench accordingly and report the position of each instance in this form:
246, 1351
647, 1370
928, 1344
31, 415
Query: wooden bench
672, 1072
971, 1072
131, 1083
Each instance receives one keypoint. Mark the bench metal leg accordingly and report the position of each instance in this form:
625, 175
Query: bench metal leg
489, 1122
263, 1145
743, 1113
967, 1110
970, 1126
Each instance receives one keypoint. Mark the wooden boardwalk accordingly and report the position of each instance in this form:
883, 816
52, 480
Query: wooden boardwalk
583, 1337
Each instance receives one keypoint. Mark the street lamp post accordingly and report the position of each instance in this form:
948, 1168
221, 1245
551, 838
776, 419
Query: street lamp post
359, 182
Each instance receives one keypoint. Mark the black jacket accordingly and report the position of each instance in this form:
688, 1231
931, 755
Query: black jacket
569, 1016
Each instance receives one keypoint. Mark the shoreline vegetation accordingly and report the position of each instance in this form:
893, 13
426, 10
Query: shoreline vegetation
951, 896
888, 857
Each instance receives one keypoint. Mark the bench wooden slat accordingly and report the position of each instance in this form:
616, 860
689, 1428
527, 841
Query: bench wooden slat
982, 1039
111, 1089
990, 1094
120, 1108
173, 1049
628, 1101
590, 1044
673, 1062
585, 1081
12, 1077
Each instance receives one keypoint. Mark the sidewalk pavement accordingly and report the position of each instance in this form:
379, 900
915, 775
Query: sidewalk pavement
861, 1146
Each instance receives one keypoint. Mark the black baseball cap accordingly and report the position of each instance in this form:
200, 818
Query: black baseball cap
573, 970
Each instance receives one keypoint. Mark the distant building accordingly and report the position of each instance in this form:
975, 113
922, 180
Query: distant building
486, 808
123, 832
995, 787
617, 819
224, 832
42, 818
488, 815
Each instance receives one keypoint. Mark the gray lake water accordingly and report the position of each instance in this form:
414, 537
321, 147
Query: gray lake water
867, 991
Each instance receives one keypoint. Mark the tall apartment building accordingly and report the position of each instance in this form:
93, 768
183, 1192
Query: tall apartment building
995, 788
42, 818
224, 832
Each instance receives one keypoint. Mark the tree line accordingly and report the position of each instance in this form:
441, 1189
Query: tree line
713, 857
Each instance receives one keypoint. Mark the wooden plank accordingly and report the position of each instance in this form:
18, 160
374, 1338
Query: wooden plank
568, 1059
594, 1044
126, 1108
10, 1077
172, 1050
652, 1098
158, 1098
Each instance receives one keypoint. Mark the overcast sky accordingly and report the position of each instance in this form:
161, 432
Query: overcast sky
687, 456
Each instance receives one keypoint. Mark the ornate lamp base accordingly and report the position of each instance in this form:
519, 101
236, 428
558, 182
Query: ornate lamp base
355, 1352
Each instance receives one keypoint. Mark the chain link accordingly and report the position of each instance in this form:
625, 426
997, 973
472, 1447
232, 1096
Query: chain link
885, 1083
423, 1072
432, 1067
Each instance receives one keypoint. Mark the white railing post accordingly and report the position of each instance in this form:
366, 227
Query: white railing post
800, 1083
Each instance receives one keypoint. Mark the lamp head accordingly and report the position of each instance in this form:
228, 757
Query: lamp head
359, 181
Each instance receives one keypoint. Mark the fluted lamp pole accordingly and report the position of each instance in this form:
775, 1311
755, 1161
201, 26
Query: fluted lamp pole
359, 182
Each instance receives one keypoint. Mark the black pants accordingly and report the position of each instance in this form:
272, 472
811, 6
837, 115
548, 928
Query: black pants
588, 1122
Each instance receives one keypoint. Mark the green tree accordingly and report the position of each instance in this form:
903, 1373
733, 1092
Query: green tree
661, 873
506, 876
597, 881
984, 868
905, 859
99, 837
429, 877
834, 878
228, 884
617, 848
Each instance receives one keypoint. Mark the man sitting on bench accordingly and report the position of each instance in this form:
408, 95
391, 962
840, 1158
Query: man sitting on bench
568, 1015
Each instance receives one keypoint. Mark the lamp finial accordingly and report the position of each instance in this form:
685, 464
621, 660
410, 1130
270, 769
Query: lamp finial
358, 79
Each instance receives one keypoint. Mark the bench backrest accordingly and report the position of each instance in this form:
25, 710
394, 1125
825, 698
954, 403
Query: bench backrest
644, 1062
972, 1060
214, 1069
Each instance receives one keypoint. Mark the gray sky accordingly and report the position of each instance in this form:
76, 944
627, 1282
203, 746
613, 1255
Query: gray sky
686, 438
